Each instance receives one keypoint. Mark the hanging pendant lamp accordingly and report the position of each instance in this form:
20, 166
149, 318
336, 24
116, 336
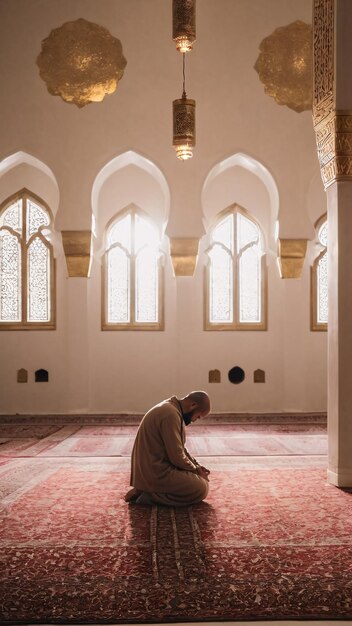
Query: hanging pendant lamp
184, 124
184, 24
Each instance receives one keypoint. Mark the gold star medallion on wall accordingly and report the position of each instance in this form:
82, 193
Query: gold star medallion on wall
284, 65
81, 62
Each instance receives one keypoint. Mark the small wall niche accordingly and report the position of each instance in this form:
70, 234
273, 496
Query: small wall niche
259, 376
22, 376
214, 376
41, 376
236, 375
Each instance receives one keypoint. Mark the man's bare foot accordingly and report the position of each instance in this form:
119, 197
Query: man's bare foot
132, 495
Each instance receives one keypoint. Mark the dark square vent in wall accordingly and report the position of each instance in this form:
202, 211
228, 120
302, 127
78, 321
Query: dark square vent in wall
41, 376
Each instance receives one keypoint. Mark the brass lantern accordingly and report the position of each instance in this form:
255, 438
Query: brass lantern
184, 24
184, 123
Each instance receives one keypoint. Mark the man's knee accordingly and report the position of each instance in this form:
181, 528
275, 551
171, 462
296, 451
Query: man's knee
203, 488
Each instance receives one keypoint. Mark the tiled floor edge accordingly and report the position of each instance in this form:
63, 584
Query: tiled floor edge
128, 419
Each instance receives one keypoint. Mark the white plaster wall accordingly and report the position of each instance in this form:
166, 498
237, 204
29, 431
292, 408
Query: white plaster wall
38, 350
132, 370
105, 371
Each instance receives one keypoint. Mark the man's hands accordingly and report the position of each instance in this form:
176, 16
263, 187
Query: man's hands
203, 472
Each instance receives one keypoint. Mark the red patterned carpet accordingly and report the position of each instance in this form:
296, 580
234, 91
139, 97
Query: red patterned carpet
274, 540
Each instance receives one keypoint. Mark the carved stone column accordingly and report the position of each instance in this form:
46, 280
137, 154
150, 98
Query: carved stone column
332, 114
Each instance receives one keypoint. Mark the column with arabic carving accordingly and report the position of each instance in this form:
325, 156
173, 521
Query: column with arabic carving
332, 116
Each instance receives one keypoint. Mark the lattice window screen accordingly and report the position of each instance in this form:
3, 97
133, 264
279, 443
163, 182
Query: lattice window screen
26, 264
132, 282
235, 273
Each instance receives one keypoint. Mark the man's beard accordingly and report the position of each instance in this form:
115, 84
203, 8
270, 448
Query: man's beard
187, 417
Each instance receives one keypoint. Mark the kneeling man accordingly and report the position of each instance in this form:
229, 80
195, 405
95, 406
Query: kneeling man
162, 470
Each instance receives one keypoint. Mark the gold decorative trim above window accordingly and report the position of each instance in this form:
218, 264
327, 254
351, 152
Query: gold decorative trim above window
132, 274
291, 255
77, 248
236, 274
27, 264
184, 253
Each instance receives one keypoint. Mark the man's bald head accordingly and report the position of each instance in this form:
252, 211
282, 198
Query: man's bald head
201, 400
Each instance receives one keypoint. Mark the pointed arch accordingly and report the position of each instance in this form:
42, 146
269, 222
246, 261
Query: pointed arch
38, 177
23, 157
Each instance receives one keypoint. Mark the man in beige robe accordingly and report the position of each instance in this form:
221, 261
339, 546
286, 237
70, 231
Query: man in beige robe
162, 470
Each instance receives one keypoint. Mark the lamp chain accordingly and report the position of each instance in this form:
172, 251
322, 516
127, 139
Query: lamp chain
184, 75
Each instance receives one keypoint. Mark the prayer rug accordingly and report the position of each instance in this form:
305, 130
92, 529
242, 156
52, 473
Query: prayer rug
269, 543
73, 440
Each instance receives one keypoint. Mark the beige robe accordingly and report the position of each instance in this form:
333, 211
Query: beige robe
161, 464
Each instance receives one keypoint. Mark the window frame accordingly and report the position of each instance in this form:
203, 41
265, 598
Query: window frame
132, 325
236, 324
316, 326
24, 194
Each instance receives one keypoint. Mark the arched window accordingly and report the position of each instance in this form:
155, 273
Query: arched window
27, 270
319, 279
132, 274
236, 274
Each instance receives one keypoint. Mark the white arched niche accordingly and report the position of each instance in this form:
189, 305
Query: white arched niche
241, 179
22, 170
129, 179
